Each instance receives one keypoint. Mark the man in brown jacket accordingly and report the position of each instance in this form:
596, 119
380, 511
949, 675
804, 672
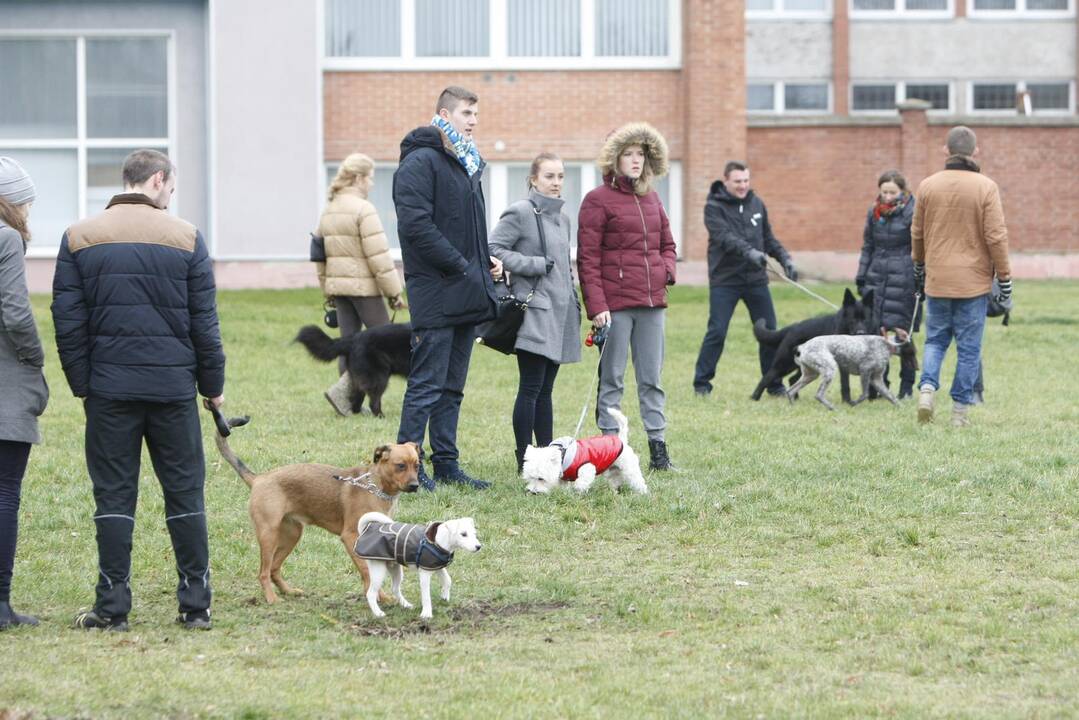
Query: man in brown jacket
959, 242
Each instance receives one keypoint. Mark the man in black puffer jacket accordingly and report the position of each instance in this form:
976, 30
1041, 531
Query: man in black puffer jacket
136, 327
740, 240
442, 226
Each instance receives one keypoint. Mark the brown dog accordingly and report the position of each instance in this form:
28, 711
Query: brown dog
286, 499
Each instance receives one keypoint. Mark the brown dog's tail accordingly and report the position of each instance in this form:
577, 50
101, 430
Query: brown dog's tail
223, 444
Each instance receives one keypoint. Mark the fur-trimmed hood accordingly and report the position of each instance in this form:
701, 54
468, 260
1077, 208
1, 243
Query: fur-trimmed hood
656, 157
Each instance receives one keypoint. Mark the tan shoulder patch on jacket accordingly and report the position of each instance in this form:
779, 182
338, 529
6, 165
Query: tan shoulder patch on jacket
132, 224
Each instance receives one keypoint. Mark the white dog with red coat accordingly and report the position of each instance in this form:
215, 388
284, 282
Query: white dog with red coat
576, 463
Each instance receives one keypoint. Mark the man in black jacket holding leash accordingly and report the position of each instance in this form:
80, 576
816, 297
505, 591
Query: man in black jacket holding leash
740, 240
134, 304
442, 226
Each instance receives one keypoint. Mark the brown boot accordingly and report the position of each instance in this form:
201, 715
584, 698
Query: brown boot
338, 395
960, 418
925, 404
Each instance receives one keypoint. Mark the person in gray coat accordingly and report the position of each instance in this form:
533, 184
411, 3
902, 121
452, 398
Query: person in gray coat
23, 390
551, 332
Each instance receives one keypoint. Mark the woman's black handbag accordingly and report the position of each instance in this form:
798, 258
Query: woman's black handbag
501, 333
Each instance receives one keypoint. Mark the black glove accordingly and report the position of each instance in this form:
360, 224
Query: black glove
758, 258
1004, 293
792, 272
919, 278
550, 266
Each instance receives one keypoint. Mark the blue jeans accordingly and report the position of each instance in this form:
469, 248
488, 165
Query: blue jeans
965, 321
722, 300
436, 383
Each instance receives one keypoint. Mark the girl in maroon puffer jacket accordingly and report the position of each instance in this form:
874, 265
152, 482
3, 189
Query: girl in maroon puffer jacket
626, 259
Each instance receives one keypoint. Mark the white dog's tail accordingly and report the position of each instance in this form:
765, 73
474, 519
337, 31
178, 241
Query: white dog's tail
368, 518
623, 424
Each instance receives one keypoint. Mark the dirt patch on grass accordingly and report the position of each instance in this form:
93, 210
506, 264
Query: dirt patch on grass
480, 615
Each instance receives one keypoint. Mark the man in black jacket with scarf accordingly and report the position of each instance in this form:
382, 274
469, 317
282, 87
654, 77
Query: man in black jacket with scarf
134, 304
442, 226
740, 240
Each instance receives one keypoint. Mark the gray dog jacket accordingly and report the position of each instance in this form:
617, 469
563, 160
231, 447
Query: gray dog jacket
404, 544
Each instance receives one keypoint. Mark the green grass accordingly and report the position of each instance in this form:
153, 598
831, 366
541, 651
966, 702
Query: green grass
804, 563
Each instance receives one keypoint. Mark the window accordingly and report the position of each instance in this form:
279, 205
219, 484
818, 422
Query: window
505, 183
1007, 9
810, 9
1006, 97
801, 97
910, 8
511, 34
75, 106
883, 97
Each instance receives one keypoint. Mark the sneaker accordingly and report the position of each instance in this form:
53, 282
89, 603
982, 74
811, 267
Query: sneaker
10, 618
660, 460
960, 418
90, 620
195, 620
925, 404
460, 477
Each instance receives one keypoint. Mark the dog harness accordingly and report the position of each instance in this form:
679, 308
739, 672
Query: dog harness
404, 544
601, 451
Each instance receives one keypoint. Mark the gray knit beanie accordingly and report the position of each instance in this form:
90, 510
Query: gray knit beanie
15, 184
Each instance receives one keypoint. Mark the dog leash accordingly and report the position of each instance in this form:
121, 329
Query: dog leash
584, 410
801, 287
368, 486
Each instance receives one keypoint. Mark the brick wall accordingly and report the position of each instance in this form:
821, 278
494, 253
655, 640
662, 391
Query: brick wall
819, 180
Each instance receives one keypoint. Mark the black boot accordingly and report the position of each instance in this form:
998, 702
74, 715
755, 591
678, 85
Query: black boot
10, 618
660, 459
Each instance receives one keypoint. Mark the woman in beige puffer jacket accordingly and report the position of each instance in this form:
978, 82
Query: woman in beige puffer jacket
359, 271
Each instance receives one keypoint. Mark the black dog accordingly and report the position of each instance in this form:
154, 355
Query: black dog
373, 355
854, 318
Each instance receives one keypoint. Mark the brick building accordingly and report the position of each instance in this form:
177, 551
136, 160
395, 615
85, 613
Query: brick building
259, 102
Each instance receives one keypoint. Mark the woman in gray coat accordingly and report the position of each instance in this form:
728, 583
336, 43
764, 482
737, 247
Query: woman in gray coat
551, 332
23, 392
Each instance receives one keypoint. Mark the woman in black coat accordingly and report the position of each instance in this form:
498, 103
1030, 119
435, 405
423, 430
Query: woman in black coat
885, 266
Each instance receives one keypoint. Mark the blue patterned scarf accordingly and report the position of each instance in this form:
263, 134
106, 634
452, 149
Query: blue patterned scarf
467, 154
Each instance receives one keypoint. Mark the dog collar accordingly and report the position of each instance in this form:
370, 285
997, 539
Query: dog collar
366, 485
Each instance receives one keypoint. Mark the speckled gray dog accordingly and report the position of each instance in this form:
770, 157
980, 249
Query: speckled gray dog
864, 355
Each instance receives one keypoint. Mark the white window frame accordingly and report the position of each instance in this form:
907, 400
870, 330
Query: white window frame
1020, 12
502, 195
900, 94
1020, 86
779, 12
900, 12
82, 144
779, 104
499, 59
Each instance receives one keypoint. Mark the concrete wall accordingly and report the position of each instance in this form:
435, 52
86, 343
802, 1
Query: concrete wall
267, 143
790, 50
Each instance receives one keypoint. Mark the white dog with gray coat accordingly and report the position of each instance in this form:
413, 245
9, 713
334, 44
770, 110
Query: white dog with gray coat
390, 546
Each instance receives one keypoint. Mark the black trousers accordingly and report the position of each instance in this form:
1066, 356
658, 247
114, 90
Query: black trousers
13, 458
115, 430
533, 412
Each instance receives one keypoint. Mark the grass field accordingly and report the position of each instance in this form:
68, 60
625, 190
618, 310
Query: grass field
803, 563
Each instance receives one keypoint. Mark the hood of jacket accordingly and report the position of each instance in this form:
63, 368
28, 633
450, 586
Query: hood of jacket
721, 193
656, 158
425, 136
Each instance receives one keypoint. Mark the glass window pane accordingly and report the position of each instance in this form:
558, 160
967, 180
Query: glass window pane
928, 4
994, 97
805, 96
452, 28
1048, 96
56, 179
631, 28
37, 84
1047, 4
517, 180
873, 4
873, 97
934, 93
363, 28
805, 5
760, 5
544, 28
760, 96
127, 87
994, 4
